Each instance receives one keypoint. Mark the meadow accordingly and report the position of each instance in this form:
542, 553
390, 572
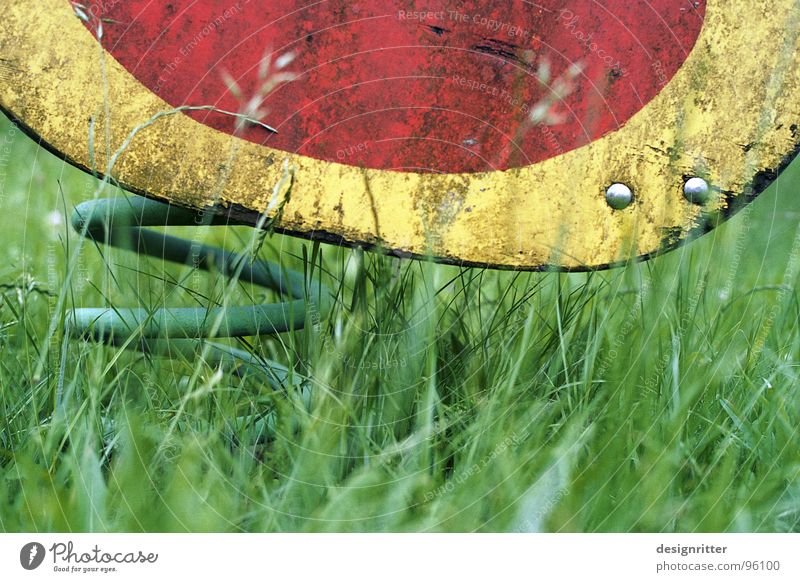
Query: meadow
659, 397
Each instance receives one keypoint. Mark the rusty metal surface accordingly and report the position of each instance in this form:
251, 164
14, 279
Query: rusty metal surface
447, 89
472, 161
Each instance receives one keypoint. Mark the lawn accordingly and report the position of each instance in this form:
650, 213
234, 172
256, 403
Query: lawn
662, 396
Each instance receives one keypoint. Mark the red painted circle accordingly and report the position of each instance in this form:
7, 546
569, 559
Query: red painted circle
383, 86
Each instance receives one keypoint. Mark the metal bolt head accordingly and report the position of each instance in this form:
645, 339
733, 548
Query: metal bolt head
619, 196
697, 191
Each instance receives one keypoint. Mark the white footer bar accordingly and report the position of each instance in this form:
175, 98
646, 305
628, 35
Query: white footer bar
388, 557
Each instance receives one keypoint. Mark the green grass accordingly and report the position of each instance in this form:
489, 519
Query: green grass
658, 397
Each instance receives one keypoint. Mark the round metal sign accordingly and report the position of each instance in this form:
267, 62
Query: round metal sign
573, 134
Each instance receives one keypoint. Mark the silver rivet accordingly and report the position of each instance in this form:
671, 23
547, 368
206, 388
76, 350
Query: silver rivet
697, 191
619, 196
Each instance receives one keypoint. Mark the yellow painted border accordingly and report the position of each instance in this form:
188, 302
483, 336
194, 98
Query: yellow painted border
729, 114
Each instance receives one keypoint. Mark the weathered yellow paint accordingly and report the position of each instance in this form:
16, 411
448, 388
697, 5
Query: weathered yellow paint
739, 86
